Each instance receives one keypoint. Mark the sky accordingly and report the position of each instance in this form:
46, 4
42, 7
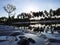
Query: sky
29, 5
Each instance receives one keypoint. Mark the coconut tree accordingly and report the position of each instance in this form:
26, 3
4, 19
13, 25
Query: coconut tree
58, 11
9, 8
35, 14
41, 13
51, 12
46, 13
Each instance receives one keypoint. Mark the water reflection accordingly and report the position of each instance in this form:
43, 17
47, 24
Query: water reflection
42, 28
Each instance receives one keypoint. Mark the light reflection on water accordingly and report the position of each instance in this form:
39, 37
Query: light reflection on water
36, 26
32, 27
39, 25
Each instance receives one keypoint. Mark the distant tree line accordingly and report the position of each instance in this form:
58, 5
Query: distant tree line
51, 15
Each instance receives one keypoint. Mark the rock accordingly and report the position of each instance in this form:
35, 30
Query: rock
23, 42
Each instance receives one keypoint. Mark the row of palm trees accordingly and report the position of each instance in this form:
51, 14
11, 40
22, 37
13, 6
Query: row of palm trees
45, 14
48, 14
9, 8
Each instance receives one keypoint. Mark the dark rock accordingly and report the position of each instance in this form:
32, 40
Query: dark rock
31, 40
23, 42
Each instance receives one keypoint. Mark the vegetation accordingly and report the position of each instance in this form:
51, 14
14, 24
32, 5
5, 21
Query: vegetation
51, 17
47, 16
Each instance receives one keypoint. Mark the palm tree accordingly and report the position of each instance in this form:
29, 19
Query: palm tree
9, 8
51, 12
46, 13
35, 14
58, 11
41, 13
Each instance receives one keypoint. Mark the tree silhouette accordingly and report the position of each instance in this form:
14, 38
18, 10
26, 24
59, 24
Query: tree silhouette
9, 8
58, 11
35, 14
41, 13
46, 13
51, 12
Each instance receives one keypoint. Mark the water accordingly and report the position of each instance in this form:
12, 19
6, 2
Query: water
44, 27
28, 32
31, 28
